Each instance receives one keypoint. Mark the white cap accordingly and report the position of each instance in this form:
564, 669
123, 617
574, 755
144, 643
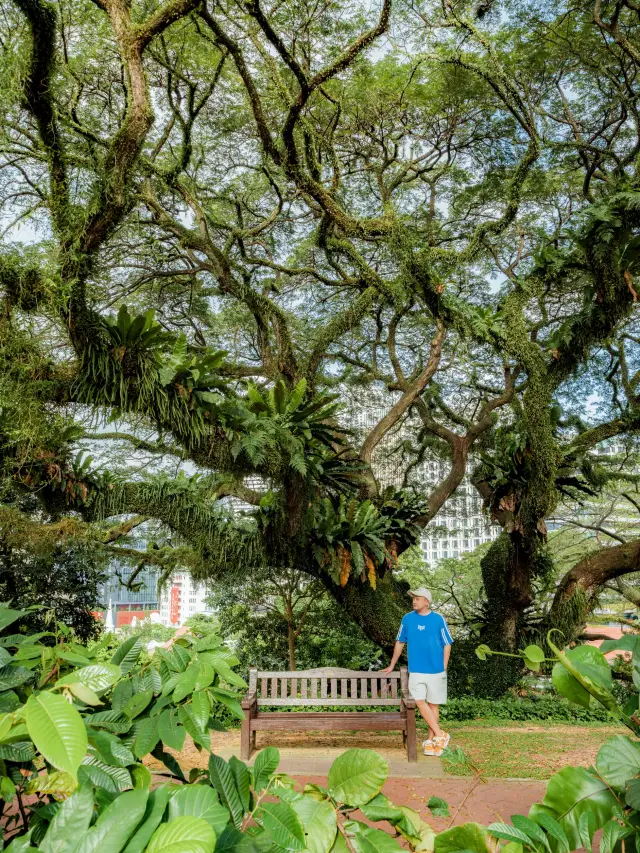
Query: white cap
421, 590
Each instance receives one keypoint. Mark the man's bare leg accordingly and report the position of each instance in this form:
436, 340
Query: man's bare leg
429, 717
436, 713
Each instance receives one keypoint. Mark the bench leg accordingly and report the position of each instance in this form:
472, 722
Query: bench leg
245, 736
412, 751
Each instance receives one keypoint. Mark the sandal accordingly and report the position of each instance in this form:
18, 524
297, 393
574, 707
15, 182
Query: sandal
442, 742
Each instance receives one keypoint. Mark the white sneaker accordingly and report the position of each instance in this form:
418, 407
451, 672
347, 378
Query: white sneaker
427, 742
429, 748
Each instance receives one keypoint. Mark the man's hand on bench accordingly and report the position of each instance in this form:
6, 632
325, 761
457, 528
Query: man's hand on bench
388, 669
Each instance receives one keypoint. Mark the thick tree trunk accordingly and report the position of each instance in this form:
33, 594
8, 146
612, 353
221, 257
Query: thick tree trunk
377, 611
507, 571
291, 639
578, 590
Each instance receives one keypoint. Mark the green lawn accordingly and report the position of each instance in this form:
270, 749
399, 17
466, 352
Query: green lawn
525, 750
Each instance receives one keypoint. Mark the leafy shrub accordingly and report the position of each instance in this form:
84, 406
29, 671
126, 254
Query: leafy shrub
82, 720
542, 708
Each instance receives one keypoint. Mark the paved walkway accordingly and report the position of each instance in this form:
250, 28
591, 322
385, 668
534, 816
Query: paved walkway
468, 799
412, 784
313, 761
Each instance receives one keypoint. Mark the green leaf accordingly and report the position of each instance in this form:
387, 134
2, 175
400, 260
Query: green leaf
377, 841
113, 779
127, 654
618, 761
632, 794
140, 776
201, 708
137, 703
169, 762
70, 822
569, 794
467, 836
57, 730
531, 828
534, 653
154, 812
508, 833
264, 766
19, 751
199, 801
13, 676
21, 844
282, 825
183, 835
147, 736
242, 779
233, 841
8, 616
482, 651
356, 776
192, 726
171, 732
586, 828
610, 834
112, 750
625, 643
224, 782
438, 807
97, 677
319, 822
569, 687
116, 824
122, 692
225, 672
211, 641
186, 683
84, 694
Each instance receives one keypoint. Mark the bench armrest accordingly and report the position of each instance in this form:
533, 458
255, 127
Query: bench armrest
408, 702
249, 700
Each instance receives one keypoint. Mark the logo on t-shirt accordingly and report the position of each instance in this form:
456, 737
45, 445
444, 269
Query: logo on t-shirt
421, 627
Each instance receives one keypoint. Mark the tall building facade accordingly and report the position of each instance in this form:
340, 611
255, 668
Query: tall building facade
182, 597
129, 604
461, 525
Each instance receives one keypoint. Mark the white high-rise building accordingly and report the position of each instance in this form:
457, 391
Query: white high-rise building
182, 597
461, 525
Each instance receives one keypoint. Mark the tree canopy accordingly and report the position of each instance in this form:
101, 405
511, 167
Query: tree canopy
221, 220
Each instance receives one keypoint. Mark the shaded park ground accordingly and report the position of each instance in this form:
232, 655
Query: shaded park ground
513, 761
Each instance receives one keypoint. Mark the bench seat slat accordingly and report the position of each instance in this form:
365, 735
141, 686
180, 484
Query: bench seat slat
341, 723
262, 703
330, 672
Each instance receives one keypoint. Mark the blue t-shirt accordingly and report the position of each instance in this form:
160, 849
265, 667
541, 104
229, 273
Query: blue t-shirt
426, 637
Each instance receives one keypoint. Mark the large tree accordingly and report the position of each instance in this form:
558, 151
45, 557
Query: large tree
436, 202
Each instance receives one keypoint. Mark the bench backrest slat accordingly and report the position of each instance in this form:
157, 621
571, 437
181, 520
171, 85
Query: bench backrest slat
328, 686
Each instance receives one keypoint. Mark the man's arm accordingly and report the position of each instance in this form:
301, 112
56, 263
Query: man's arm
447, 653
394, 660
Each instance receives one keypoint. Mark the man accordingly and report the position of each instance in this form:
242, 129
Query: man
429, 648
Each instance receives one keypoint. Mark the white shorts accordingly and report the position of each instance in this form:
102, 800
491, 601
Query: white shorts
428, 686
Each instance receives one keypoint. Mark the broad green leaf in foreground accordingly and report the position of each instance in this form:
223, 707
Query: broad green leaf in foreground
183, 835
264, 766
116, 824
70, 822
618, 761
57, 730
199, 801
357, 776
283, 826
319, 821
469, 836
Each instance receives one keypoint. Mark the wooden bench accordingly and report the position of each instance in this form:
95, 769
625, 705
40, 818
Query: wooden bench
333, 687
